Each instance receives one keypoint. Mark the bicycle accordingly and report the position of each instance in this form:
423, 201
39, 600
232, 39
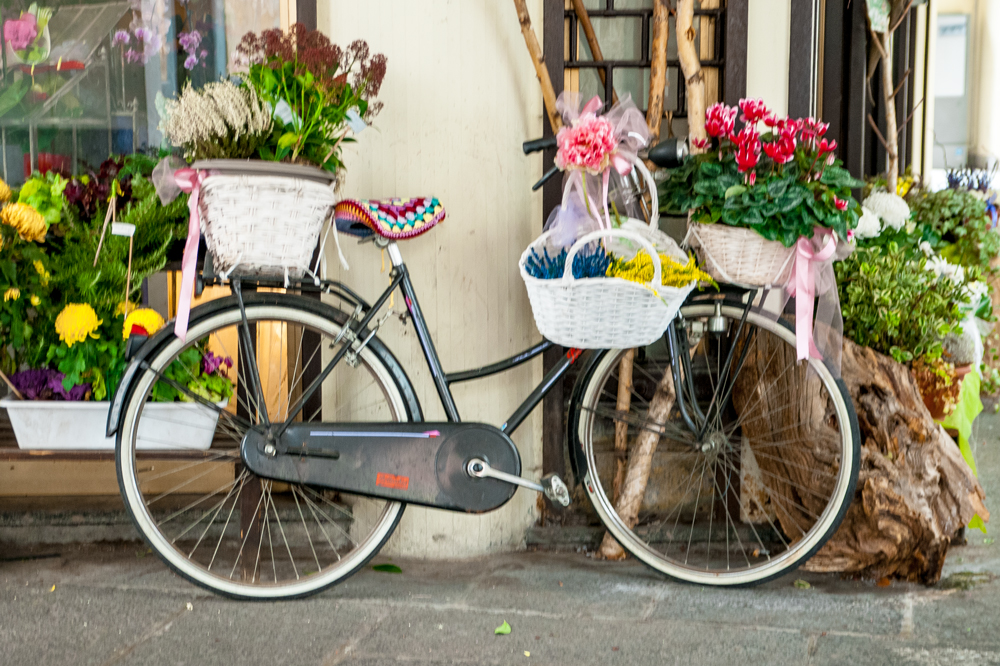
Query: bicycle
309, 477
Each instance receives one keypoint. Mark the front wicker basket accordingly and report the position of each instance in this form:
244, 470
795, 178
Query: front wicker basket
740, 256
263, 224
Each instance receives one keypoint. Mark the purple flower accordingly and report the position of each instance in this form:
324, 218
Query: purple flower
46, 384
210, 363
190, 61
133, 56
120, 38
143, 34
189, 41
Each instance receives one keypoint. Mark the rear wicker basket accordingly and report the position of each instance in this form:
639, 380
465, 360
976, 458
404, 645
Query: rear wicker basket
263, 224
736, 255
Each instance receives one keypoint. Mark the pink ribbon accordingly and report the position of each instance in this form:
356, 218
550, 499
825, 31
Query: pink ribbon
189, 180
802, 286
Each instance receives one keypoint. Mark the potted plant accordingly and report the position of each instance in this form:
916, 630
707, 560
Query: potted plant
266, 151
65, 313
757, 190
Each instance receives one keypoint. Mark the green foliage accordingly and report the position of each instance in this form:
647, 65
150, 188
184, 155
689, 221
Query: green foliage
97, 362
784, 203
25, 328
957, 226
893, 304
45, 194
187, 371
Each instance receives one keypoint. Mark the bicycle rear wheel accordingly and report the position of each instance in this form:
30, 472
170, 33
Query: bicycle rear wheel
764, 487
211, 520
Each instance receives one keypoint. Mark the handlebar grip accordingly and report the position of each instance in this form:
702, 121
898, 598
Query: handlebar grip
668, 154
538, 144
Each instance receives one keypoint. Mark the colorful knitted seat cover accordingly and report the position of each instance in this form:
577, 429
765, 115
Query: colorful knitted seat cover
391, 218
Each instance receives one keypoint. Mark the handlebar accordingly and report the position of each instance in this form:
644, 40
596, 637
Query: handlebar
538, 144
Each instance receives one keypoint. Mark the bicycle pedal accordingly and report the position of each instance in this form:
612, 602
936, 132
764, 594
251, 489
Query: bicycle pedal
555, 489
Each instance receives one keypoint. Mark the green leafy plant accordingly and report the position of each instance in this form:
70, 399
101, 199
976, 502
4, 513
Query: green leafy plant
895, 305
784, 194
957, 226
317, 91
45, 194
200, 371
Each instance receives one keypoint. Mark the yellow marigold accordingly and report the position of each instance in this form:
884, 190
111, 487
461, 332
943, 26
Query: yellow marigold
28, 221
5, 192
76, 322
11, 294
35, 300
147, 319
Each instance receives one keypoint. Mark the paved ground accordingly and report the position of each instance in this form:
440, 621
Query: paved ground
115, 604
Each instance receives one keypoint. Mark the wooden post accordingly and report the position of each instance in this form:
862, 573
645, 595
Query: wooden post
531, 41
595, 48
621, 425
687, 53
658, 68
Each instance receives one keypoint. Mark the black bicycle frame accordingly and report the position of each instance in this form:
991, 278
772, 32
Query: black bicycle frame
442, 380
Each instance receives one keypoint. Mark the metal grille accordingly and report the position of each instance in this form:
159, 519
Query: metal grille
627, 52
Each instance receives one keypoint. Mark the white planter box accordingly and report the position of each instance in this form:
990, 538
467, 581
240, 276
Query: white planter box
76, 426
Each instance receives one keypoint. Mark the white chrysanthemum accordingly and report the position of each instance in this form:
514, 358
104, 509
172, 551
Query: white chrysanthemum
926, 248
890, 208
976, 291
941, 267
869, 225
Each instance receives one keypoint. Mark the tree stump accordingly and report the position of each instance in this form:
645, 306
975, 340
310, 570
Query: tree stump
914, 489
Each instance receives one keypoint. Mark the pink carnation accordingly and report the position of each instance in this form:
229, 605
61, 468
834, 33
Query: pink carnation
587, 145
22, 32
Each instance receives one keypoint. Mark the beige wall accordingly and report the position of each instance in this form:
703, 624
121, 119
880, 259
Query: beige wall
768, 30
460, 97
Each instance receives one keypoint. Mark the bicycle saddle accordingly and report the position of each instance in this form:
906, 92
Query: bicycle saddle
390, 218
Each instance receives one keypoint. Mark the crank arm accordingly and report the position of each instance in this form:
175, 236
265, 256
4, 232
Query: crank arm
551, 486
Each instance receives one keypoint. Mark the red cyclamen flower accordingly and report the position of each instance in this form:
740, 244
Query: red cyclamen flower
700, 144
825, 147
750, 179
754, 111
841, 204
747, 148
720, 120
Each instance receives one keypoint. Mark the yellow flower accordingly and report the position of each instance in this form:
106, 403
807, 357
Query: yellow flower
40, 269
5, 192
35, 300
76, 322
672, 272
147, 319
123, 306
11, 294
28, 221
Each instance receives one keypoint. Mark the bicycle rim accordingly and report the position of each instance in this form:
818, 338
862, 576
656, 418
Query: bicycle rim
762, 490
213, 521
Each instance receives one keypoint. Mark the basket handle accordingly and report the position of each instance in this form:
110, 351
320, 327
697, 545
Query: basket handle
654, 216
657, 280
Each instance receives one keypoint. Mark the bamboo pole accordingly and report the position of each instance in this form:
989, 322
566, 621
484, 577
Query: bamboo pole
694, 78
595, 48
538, 60
10, 385
658, 68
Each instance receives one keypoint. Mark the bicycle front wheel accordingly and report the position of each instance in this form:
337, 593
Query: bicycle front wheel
210, 519
754, 495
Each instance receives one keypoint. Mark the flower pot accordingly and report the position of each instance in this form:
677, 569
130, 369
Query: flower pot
59, 425
937, 401
263, 217
736, 255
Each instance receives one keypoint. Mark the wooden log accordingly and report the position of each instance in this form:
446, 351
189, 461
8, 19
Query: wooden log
640, 463
595, 48
658, 68
624, 402
914, 492
694, 78
538, 60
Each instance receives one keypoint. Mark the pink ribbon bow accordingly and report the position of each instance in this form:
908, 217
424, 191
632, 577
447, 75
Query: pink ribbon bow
802, 286
189, 180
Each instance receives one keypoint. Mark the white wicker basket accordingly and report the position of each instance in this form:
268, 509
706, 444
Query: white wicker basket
263, 224
740, 256
601, 313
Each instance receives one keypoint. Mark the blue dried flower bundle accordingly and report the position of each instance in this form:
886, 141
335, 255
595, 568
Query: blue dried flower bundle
588, 263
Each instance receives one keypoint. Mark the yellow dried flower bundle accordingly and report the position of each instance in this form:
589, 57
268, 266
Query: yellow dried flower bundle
673, 273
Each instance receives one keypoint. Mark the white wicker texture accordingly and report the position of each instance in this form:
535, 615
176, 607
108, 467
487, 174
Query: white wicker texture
740, 256
601, 313
266, 225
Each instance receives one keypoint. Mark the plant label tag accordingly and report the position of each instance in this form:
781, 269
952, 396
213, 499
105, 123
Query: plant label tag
355, 120
122, 229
